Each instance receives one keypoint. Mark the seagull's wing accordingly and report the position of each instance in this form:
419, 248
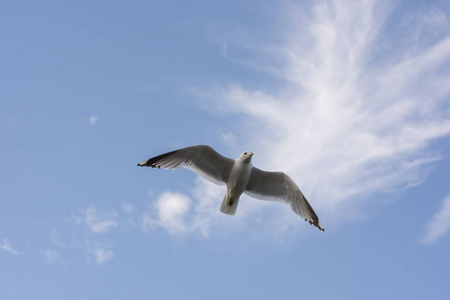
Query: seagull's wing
277, 186
203, 160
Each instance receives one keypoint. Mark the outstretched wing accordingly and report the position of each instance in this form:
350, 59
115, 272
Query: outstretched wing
277, 186
201, 159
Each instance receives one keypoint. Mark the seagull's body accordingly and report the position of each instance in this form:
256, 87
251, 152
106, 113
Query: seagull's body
239, 176
237, 182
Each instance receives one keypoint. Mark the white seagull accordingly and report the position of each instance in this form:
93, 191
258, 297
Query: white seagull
239, 176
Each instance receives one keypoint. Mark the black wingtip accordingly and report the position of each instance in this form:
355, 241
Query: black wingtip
142, 164
319, 227
153, 162
316, 224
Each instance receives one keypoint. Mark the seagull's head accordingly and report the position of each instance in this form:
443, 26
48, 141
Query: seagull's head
246, 156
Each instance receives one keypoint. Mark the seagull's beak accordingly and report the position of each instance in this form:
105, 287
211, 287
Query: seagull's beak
251, 154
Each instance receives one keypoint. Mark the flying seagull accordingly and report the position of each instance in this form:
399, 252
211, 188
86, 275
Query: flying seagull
239, 176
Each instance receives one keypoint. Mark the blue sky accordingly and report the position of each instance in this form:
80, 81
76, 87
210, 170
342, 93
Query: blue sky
350, 99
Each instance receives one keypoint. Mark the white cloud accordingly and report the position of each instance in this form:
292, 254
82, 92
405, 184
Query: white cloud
56, 239
228, 138
127, 208
8, 248
439, 224
93, 119
102, 255
171, 209
51, 256
97, 223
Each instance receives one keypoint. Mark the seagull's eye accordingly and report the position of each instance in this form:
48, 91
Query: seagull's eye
245, 153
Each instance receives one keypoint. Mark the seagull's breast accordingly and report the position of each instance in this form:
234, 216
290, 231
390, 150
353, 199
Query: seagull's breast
238, 179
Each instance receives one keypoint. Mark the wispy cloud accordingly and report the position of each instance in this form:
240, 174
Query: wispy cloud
102, 255
97, 222
8, 248
56, 238
127, 208
357, 108
352, 113
51, 256
228, 138
90, 242
93, 119
439, 225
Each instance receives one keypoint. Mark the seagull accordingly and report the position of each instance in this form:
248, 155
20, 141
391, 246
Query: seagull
239, 176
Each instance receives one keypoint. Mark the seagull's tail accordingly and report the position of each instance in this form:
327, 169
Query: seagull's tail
229, 205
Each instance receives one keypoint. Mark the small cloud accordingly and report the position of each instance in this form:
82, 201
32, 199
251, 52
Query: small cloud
439, 224
97, 223
101, 255
127, 208
171, 210
93, 119
228, 138
56, 239
7, 247
51, 256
